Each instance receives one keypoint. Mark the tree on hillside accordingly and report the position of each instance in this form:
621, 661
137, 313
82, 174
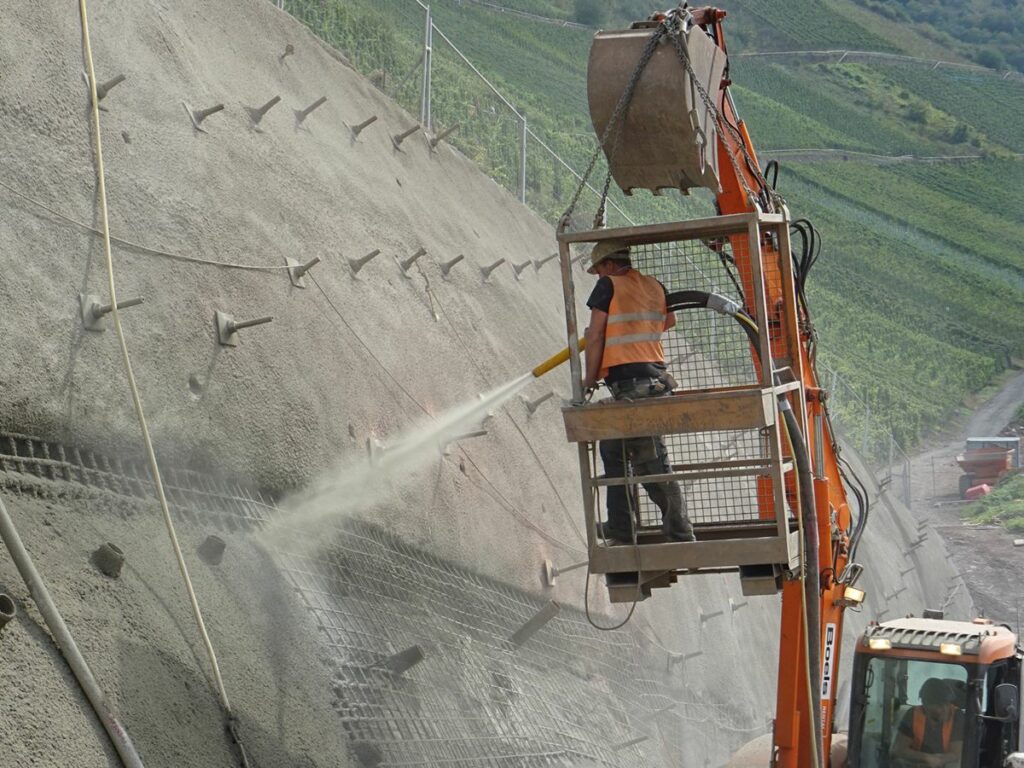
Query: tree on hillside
992, 58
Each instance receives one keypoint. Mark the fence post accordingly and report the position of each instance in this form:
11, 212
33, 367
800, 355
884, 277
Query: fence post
907, 493
428, 38
867, 425
522, 160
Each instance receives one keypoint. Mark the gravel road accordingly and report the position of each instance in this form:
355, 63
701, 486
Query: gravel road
992, 568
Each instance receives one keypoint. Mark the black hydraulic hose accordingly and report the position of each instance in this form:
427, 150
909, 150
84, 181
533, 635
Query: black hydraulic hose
811, 593
812, 583
863, 500
700, 299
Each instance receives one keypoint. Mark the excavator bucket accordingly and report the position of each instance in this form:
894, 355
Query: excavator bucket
668, 139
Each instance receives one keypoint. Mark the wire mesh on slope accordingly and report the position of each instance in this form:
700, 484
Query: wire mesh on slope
569, 696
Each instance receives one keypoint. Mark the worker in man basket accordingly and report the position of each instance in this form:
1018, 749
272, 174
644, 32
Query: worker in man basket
628, 314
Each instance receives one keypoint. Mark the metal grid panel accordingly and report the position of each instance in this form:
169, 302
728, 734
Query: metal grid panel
720, 499
705, 349
191, 494
724, 498
373, 596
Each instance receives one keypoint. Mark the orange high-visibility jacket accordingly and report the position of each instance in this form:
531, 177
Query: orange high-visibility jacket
636, 319
918, 725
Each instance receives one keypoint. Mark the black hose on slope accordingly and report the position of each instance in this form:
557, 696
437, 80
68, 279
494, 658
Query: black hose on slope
811, 589
812, 581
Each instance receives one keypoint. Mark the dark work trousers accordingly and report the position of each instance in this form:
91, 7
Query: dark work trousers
646, 456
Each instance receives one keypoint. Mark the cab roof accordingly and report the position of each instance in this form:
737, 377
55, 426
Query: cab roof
979, 638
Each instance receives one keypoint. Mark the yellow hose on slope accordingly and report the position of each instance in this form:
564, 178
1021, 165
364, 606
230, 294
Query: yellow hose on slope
136, 398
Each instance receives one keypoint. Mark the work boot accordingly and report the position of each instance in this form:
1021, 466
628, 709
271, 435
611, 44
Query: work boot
614, 534
677, 527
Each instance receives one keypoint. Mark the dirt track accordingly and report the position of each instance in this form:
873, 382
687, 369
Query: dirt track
991, 566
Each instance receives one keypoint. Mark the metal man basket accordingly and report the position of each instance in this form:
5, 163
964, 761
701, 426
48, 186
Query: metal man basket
722, 427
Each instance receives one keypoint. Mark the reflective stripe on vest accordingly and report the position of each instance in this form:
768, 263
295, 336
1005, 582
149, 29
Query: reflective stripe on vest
919, 723
636, 319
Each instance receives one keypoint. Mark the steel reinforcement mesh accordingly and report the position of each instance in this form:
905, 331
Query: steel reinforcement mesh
568, 696
195, 496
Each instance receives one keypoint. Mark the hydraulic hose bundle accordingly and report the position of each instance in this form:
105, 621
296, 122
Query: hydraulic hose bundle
807, 520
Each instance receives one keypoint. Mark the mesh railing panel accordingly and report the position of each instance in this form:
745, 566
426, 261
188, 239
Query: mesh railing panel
721, 499
705, 349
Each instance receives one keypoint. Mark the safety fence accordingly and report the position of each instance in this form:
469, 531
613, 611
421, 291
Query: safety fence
470, 112
866, 432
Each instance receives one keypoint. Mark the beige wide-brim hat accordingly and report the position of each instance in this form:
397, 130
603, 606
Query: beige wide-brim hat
606, 249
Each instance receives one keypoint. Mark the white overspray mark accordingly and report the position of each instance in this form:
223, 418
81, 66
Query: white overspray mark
362, 483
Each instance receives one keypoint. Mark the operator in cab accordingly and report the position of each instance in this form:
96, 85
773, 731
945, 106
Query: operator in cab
932, 733
628, 314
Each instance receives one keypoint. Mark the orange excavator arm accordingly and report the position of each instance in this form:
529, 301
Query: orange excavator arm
742, 187
660, 102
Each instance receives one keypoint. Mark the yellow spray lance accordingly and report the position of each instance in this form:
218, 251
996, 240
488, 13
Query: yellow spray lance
556, 360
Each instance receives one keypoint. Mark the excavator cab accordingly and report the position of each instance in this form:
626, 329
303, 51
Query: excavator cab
723, 427
905, 666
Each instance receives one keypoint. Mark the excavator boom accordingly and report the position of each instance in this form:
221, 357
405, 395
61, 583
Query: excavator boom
659, 101
772, 508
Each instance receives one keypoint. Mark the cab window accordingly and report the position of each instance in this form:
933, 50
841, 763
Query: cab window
913, 712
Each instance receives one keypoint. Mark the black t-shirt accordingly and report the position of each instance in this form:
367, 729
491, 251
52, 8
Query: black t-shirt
601, 298
932, 742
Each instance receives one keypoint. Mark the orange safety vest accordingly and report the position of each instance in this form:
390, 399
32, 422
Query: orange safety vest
918, 725
636, 319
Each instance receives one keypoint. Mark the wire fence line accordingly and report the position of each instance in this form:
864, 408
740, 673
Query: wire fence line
524, 14
865, 432
485, 124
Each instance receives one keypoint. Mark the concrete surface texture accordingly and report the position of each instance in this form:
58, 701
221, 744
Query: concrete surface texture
347, 358
137, 635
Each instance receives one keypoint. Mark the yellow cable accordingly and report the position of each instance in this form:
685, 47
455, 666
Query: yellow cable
154, 469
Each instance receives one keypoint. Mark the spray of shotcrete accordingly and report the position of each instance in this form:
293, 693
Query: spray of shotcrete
365, 482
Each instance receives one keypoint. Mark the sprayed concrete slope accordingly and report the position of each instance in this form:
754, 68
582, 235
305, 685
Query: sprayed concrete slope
363, 358
298, 393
